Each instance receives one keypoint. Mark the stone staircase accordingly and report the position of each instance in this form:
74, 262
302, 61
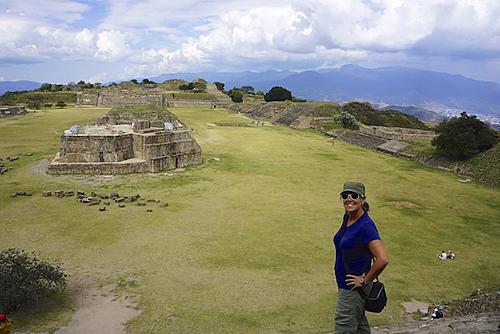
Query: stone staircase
361, 139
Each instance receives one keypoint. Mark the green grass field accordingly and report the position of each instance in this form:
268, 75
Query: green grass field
245, 243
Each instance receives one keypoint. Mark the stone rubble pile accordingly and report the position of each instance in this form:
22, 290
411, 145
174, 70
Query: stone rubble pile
100, 199
4, 168
477, 302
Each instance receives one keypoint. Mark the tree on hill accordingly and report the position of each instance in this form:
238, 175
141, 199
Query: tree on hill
463, 137
45, 87
219, 85
248, 89
147, 82
134, 81
236, 95
199, 85
278, 93
188, 86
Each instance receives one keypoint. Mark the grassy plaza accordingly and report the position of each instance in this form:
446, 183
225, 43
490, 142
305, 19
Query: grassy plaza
245, 243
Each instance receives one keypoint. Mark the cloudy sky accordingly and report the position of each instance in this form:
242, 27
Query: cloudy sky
104, 40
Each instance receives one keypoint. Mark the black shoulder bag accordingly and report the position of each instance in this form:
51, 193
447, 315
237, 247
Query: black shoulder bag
377, 299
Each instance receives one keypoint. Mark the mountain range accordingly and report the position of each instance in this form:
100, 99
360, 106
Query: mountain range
14, 86
443, 93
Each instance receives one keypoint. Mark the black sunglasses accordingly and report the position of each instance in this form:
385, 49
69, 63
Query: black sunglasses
347, 194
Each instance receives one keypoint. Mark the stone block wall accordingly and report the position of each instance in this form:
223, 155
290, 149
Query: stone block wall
124, 97
95, 168
110, 99
192, 103
167, 150
392, 133
86, 98
109, 148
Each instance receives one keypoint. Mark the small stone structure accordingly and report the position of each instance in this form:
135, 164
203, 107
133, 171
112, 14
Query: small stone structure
117, 146
393, 147
12, 110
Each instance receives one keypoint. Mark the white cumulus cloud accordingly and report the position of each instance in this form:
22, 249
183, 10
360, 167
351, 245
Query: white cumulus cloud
112, 45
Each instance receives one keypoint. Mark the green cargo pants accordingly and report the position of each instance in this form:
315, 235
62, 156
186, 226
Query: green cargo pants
350, 315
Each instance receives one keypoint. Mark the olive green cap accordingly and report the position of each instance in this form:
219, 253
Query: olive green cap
355, 187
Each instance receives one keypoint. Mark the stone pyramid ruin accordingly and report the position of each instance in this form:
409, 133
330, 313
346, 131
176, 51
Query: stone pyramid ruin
129, 139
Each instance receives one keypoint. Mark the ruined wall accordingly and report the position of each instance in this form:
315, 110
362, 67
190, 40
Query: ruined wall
96, 168
392, 133
192, 103
109, 148
125, 97
167, 150
12, 110
86, 98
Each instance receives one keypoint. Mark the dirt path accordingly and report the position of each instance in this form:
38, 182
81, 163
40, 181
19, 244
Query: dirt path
98, 310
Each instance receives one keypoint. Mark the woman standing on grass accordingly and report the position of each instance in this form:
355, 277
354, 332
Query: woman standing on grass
356, 243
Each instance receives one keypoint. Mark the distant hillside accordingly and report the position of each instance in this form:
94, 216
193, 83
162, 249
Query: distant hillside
368, 115
485, 166
14, 86
437, 91
418, 112
292, 113
32, 99
445, 94
230, 79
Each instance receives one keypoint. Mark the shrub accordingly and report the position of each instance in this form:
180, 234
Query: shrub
188, 86
61, 104
236, 95
278, 93
347, 120
463, 137
27, 280
34, 101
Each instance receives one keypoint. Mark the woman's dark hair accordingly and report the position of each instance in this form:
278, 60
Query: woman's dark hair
366, 206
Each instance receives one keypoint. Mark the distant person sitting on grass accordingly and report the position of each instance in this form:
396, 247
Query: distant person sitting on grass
443, 256
356, 243
450, 255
